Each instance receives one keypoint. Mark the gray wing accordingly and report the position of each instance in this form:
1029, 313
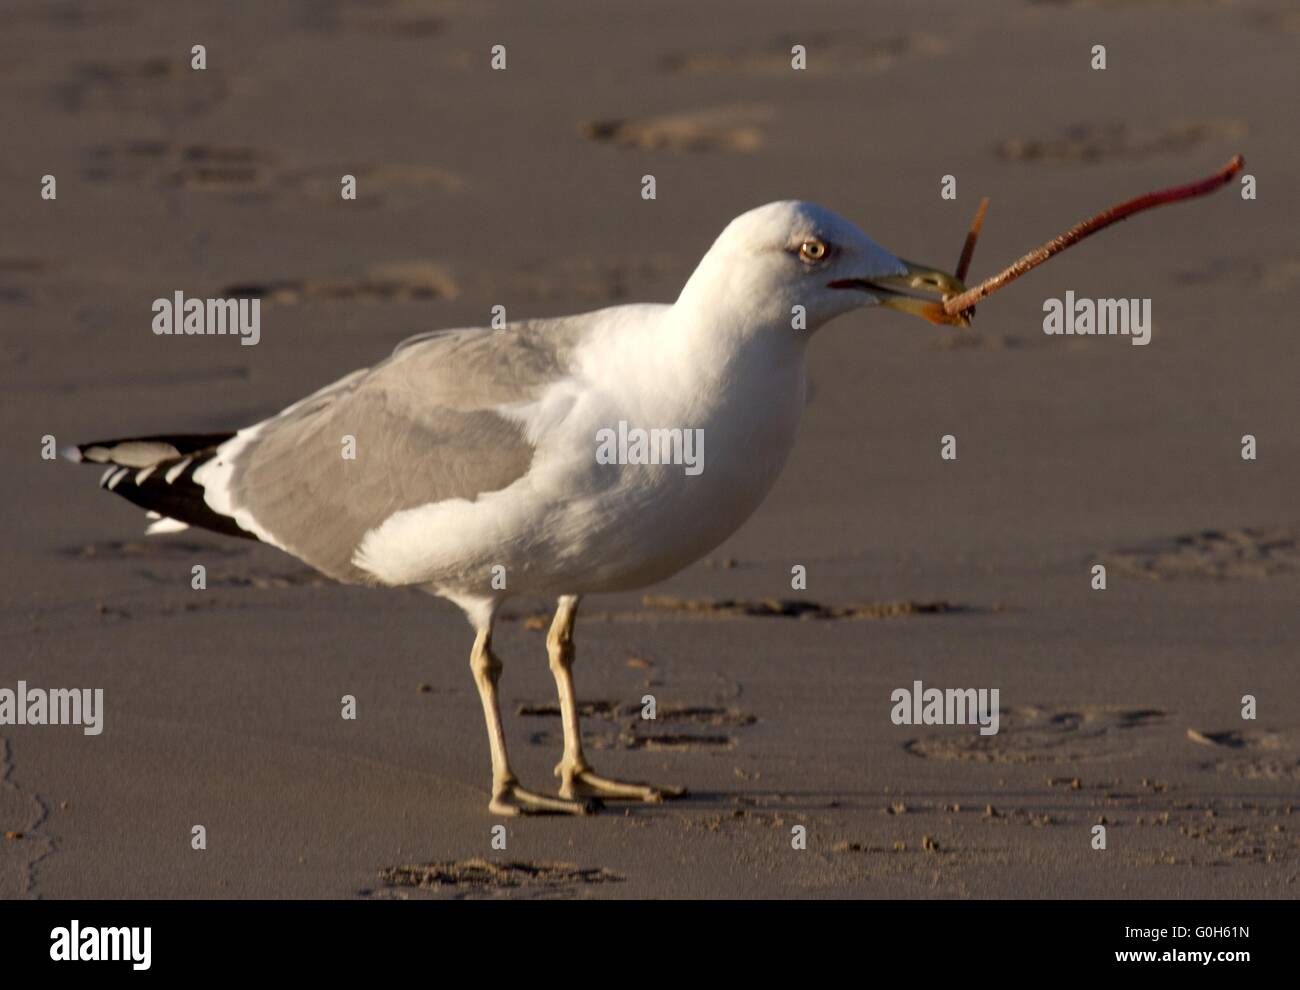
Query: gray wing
426, 429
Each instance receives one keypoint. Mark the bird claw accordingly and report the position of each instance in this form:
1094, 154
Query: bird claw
513, 800
585, 783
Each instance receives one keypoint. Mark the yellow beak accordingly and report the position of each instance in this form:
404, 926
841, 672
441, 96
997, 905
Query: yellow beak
932, 284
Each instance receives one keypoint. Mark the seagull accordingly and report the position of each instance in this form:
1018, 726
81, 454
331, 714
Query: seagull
474, 470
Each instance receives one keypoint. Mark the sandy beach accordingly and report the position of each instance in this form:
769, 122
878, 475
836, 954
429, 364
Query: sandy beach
523, 188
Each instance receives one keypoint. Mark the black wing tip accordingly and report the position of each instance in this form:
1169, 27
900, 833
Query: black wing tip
165, 485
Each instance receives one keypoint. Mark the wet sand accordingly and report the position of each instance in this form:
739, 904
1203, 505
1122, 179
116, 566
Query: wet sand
523, 188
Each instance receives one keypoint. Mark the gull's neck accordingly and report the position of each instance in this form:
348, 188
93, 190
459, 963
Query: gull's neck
719, 322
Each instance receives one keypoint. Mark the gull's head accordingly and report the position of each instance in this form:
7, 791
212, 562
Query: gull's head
792, 253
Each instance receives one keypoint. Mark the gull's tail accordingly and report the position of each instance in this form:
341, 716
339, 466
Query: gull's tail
157, 473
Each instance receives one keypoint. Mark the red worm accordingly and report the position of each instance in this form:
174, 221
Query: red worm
957, 304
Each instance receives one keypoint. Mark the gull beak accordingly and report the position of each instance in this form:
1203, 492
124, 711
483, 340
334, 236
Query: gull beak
919, 290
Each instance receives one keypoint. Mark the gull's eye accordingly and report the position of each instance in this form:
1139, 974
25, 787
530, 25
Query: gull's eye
813, 250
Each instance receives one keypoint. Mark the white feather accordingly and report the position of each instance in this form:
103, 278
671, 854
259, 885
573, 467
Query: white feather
165, 526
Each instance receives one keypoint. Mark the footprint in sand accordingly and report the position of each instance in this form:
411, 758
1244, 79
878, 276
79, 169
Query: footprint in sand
723, 129
209, 167
172, 549
167, 562
607, 280
406, 281
16, 279
1252, 754
644, 734
656, 607
1213, 554
204, 167
393, 186
261, 580
614, 725
828, 53
1045, 735
481, 875
794, 608
238, 169
159, 86
104, 14
1105, 142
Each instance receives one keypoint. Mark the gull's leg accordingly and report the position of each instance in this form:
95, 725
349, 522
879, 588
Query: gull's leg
508, 798
576, 776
